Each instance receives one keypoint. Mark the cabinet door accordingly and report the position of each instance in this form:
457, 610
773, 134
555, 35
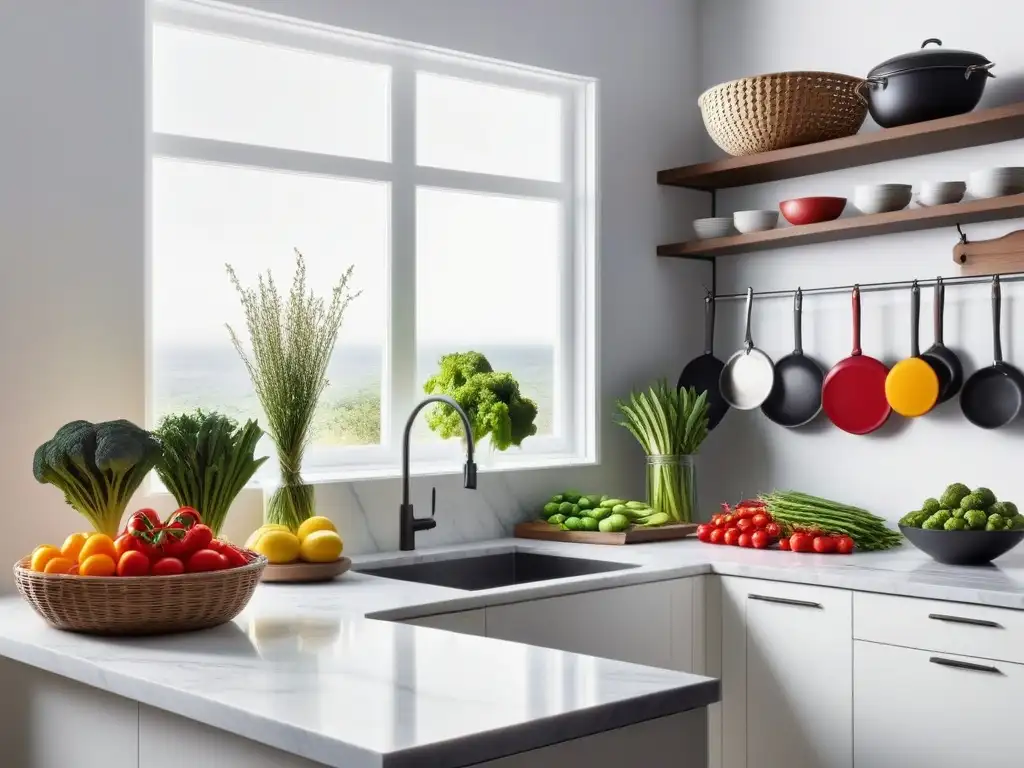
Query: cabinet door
933, 709
463, 622
627, 623
787, 676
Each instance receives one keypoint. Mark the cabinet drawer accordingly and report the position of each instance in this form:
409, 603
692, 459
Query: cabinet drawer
934, 625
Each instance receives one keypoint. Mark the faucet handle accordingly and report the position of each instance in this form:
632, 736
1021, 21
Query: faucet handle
433, 500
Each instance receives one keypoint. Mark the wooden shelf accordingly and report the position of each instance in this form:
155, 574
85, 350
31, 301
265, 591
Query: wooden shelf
986, 126
907, 220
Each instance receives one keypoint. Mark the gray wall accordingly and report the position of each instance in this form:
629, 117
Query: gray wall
72, 235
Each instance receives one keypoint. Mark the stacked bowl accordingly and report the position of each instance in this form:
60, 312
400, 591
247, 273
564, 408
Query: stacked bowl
931, 193
996, 182
882, 198
713, 226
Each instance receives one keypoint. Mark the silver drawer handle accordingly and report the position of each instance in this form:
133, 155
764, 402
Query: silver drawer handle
964, 665
964, 620
785, 601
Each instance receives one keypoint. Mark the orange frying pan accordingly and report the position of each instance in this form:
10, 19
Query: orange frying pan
912, 386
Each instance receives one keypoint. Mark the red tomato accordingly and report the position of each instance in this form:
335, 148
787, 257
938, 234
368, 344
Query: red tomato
844, 545
125, 543
184, 517
801, 542
732, 537
235, 557
704, 532
824, 545
761, 520
784, 545
198, 537
760, 539
773, 529
168, 566
716, 520
745, 513
206, 560
142, 521
717, 536
133, 563
745, 524
745, 540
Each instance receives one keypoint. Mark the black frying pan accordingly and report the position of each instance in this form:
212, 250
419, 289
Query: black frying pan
702, 373
992, 396
941, 358
796, 395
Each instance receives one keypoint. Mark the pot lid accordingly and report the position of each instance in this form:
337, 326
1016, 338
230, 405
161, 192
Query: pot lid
931, 54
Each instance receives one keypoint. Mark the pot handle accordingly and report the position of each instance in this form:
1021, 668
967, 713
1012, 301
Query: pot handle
931, 40
881, 82
983, 68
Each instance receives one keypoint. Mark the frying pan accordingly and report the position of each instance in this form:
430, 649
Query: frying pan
992, 396
748, 375
940, 357
912, 386
853, 395
796, 396
702, 373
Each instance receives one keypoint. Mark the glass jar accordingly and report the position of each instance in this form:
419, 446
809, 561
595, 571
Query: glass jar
672, 486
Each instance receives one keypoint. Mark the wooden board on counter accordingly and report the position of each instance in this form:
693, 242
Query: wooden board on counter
635, 535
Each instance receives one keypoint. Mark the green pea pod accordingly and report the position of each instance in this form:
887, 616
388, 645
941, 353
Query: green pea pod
637, 505
611, 503
599, 513
653, 521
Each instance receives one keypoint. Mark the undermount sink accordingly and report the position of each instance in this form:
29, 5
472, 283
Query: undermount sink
491, 571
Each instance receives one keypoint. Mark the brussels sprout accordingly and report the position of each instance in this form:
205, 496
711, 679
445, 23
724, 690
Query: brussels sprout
955, 524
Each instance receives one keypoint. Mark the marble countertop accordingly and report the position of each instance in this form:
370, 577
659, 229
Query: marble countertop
314, 671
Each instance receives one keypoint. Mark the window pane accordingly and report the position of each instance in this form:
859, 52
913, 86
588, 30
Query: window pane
215, 87
207, 215
469, 126
487, 275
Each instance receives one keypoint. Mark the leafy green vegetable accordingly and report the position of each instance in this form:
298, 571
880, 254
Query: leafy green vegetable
207, 460
98, 467
492, 400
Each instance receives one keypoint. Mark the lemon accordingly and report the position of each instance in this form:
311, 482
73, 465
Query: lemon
277, 546
250, 543
321, 547
312, 524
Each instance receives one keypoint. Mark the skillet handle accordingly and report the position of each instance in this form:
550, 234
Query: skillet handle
915, 319
748, 341
940, 300
997, 301
709, 325
798, 331
856, 321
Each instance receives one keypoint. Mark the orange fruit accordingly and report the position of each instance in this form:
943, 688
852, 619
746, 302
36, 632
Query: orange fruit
73, 545
97, 544
98, 565
59, 565
42, 555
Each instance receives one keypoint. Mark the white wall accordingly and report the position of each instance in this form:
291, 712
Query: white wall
72, 206
892, 470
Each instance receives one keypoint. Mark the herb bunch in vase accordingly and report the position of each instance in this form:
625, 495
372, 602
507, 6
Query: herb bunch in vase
670, 424
291, 339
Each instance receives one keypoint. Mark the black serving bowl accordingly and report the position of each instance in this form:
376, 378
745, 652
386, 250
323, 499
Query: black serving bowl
963, 547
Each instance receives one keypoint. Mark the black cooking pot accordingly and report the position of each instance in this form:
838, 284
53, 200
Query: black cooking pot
925, 85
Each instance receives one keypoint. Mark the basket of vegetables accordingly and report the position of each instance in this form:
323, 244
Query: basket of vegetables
964, 527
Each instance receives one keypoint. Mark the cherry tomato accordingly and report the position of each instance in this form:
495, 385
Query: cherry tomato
745, 541
824, 545
844, 545
761, 520
745, 524
206, 560
760, 539
133, 563
144, 519
125, 543
773, 529
717, 536
745, 513
732, 537
234, 555
784, 545
168, 566
704, 532
716, 520
801, 542
198, 537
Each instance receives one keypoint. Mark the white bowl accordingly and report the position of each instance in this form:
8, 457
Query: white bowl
931, 193
715, 226
996, 182
755, 221
880, 198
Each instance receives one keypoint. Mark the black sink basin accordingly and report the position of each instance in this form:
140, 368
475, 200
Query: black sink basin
490, 571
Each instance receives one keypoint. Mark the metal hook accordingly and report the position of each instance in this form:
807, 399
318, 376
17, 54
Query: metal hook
963, 236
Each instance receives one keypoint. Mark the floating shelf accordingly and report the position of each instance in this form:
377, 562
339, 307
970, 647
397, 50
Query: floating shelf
907, 220
986, 126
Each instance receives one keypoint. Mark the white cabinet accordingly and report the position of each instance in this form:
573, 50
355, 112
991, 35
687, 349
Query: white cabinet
787, 683
933, 709
464, 622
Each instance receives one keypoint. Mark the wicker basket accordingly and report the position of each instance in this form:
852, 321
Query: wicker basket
139, 605
759, 114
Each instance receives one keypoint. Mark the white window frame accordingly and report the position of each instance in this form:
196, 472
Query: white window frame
575, 381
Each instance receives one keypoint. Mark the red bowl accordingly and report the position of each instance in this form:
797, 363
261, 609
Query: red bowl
811, 210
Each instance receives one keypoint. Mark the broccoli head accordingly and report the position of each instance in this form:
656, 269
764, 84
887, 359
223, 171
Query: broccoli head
954, 524
930, 506
996, 522
1016, 523
1009, 509
491, 399
915, 519
986, 495
959, 512
972, 501
933, 523
976, 519
951, 497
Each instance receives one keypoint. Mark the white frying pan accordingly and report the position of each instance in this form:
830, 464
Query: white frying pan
748, 376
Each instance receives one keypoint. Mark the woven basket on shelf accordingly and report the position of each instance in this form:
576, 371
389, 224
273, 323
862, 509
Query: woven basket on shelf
786, 109
139, 605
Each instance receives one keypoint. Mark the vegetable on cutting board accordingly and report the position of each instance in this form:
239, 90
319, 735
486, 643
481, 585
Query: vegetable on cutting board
961, 509
574, 511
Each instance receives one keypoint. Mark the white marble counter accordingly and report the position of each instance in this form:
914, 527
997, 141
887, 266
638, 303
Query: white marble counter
308, 670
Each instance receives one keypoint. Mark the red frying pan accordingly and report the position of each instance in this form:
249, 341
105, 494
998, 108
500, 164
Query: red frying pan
853, 395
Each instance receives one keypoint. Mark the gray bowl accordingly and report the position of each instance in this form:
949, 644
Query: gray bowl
963, 547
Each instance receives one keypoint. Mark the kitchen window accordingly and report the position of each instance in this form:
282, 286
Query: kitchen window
462, 189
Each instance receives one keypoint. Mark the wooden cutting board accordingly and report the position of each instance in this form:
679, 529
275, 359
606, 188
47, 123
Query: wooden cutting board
635, 535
